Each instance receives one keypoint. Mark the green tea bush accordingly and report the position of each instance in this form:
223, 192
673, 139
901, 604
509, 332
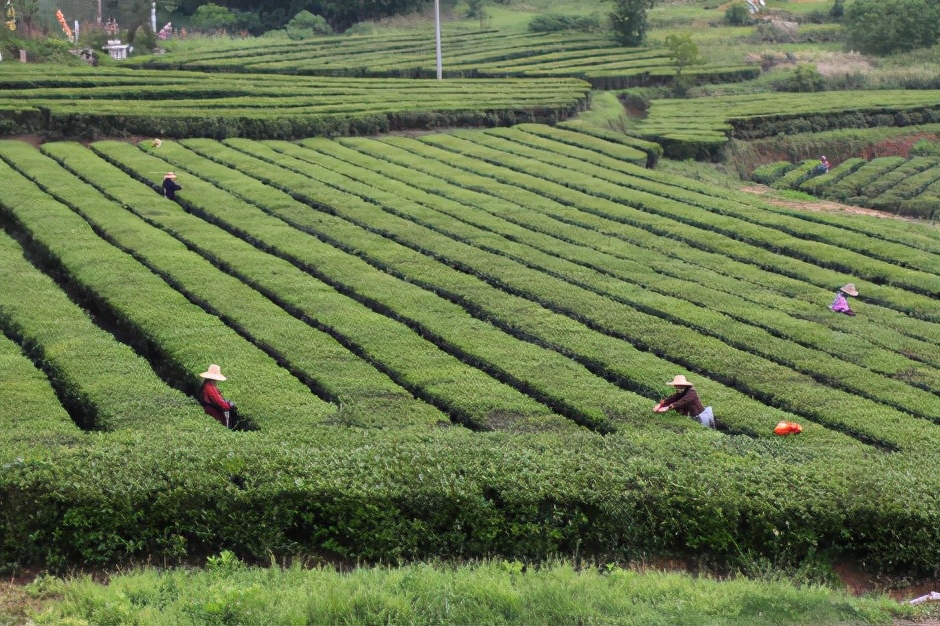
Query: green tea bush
925, 147
554, 246
559, 22
767, 174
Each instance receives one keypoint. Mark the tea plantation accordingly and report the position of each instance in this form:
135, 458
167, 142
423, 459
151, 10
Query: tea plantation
449, 346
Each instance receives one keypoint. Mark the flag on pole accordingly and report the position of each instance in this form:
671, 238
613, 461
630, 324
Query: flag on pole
11, 16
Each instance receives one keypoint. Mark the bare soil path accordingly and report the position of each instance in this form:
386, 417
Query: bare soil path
820, 205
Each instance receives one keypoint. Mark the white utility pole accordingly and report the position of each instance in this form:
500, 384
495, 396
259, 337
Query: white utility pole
153, 17
437, 25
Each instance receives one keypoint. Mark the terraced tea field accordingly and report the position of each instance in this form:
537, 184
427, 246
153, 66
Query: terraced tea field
91, 103
687, 128
450, 345
481, 54
905, 186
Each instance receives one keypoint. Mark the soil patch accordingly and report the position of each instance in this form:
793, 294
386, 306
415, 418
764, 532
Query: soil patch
821, 205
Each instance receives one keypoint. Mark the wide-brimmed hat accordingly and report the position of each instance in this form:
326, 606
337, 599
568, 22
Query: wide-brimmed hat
849, 288
170, 175
214, 372
680, 381
823, 157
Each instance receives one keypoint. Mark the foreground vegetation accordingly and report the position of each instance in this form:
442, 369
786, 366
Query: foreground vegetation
495, 592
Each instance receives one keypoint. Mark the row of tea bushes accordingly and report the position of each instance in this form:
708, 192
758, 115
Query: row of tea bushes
490, 276
686, 129
634, 249
487, 54
178, 334
87, 104
904, 186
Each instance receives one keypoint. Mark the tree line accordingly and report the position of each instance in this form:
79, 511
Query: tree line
254, 16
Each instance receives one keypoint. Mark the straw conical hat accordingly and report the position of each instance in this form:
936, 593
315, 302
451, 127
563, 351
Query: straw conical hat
680, 381
214, 372
849, 288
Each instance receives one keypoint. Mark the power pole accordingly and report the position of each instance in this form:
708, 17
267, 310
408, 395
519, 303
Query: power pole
437, 24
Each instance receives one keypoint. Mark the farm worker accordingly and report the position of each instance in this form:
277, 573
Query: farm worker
211, 398
823, 166
169, 185
686, 401
841, 303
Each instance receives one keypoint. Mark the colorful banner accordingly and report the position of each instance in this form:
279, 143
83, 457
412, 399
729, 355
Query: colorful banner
62, 22
11, 16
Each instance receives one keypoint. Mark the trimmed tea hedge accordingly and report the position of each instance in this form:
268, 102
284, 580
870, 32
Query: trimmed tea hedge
88, 103
488, 54
538, 287
892, 184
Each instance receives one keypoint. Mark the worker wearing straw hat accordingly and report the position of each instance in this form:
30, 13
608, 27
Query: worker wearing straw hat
170, 187
211, 398
686, 401
841, 303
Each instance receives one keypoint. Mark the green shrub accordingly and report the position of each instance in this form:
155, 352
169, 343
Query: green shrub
213, 17
925, 147
737, 14
305, 25
806, 78
558, 22
361, 28
878, 27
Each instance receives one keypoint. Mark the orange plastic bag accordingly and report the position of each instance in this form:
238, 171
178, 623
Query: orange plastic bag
788, 428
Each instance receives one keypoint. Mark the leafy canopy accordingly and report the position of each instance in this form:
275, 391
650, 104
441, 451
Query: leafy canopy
629, 22
880, 27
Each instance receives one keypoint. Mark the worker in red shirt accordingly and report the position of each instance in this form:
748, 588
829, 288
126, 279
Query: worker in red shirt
211, 398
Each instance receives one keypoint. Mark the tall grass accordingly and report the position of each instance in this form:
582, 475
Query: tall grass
494, 592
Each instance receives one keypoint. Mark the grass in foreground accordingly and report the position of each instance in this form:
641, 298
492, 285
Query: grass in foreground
497, 592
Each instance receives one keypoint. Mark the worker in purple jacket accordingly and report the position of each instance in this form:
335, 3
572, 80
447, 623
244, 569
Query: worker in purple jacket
841, 303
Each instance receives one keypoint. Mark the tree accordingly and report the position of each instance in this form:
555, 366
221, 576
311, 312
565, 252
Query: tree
629, 22
213, 17
305, 25
477, 9
837, 10
880, 27
27, 12
683, 52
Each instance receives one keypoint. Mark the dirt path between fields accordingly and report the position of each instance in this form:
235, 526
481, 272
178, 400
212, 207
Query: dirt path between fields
821, 205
